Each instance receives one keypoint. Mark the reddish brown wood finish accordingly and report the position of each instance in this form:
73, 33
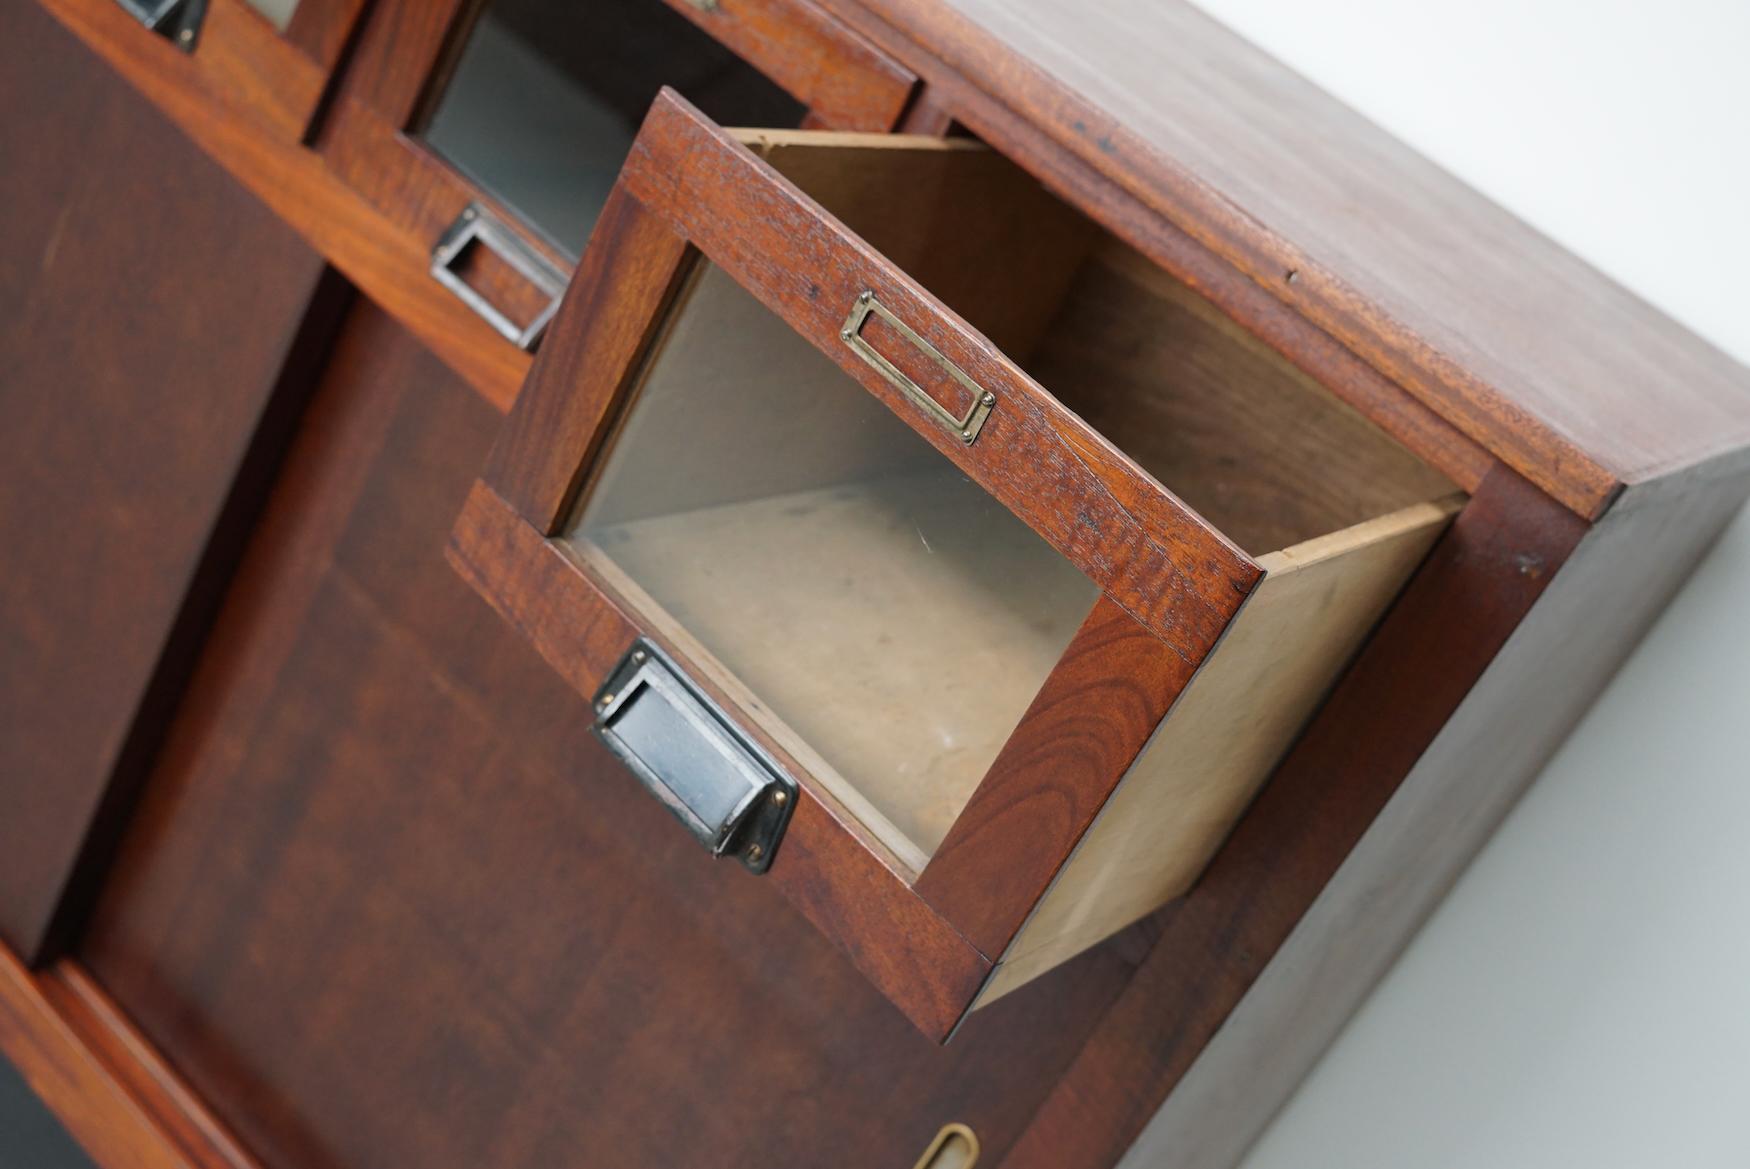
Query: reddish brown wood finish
241, 61
1457, 612
1298, 197
827, 868
371, 943
385, 262
1092, 717
1152, 555
817, 58
846, 82
422, 195
1046, 786
141, 355
387, 903
402, 53
991, 114
627, 278
323, 28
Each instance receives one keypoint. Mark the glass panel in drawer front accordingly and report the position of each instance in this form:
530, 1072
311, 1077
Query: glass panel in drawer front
894, 617
548, 94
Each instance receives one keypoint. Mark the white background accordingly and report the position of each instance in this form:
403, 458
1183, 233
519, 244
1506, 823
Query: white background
1583, 996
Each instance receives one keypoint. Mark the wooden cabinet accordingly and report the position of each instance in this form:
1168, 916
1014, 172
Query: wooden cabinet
1092, 575
969, 622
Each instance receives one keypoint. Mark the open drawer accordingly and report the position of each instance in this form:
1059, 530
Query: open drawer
924, 548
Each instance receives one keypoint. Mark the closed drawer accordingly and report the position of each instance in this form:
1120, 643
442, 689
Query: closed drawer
518, 113
1000, 562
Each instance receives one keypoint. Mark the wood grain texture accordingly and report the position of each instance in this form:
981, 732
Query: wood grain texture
140, 361
1543, 360
1482, 578
387, 903
242, 62
1092, 717
111, 1039
594, 348
421, 195
1129, 216
955, 216
1604, 597
87, 1094
401, 56
323, 29
1225, 734
825, 866
386, 263
845, 81
1258, 448
1180, 578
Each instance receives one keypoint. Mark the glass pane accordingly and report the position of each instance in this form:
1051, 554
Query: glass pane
892, 615
548, 95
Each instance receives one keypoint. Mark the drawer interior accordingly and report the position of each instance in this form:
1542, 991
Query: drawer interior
545, 98
887, 619
786, 526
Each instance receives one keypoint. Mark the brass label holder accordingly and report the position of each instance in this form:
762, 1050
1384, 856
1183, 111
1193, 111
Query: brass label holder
966, 426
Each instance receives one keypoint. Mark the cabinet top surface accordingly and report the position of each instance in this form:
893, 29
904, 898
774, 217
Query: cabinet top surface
1516, 341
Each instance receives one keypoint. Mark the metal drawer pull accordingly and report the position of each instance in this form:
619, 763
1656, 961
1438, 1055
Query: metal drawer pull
178, 21
476, 223
955, 1147
727, 792
965, 427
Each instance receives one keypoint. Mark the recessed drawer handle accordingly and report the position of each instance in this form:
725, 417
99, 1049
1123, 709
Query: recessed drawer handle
715, 781
966, 426
478, 225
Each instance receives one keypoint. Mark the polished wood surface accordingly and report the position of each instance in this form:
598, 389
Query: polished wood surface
1316, 606
1528, 350
1090, 720
844, 80
384, 261
1485, 574
386, 902
830, 868
1154, 557
105, 1084
142, 343
1535, 690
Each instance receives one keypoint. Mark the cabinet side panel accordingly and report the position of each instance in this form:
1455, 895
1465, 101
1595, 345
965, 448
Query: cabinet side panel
147, 305
1601, 602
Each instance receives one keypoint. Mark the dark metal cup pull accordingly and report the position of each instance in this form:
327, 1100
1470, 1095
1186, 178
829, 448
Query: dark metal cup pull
478, 225
178, 21
727, 792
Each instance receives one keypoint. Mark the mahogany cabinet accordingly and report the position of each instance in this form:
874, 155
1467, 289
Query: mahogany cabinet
553, 620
